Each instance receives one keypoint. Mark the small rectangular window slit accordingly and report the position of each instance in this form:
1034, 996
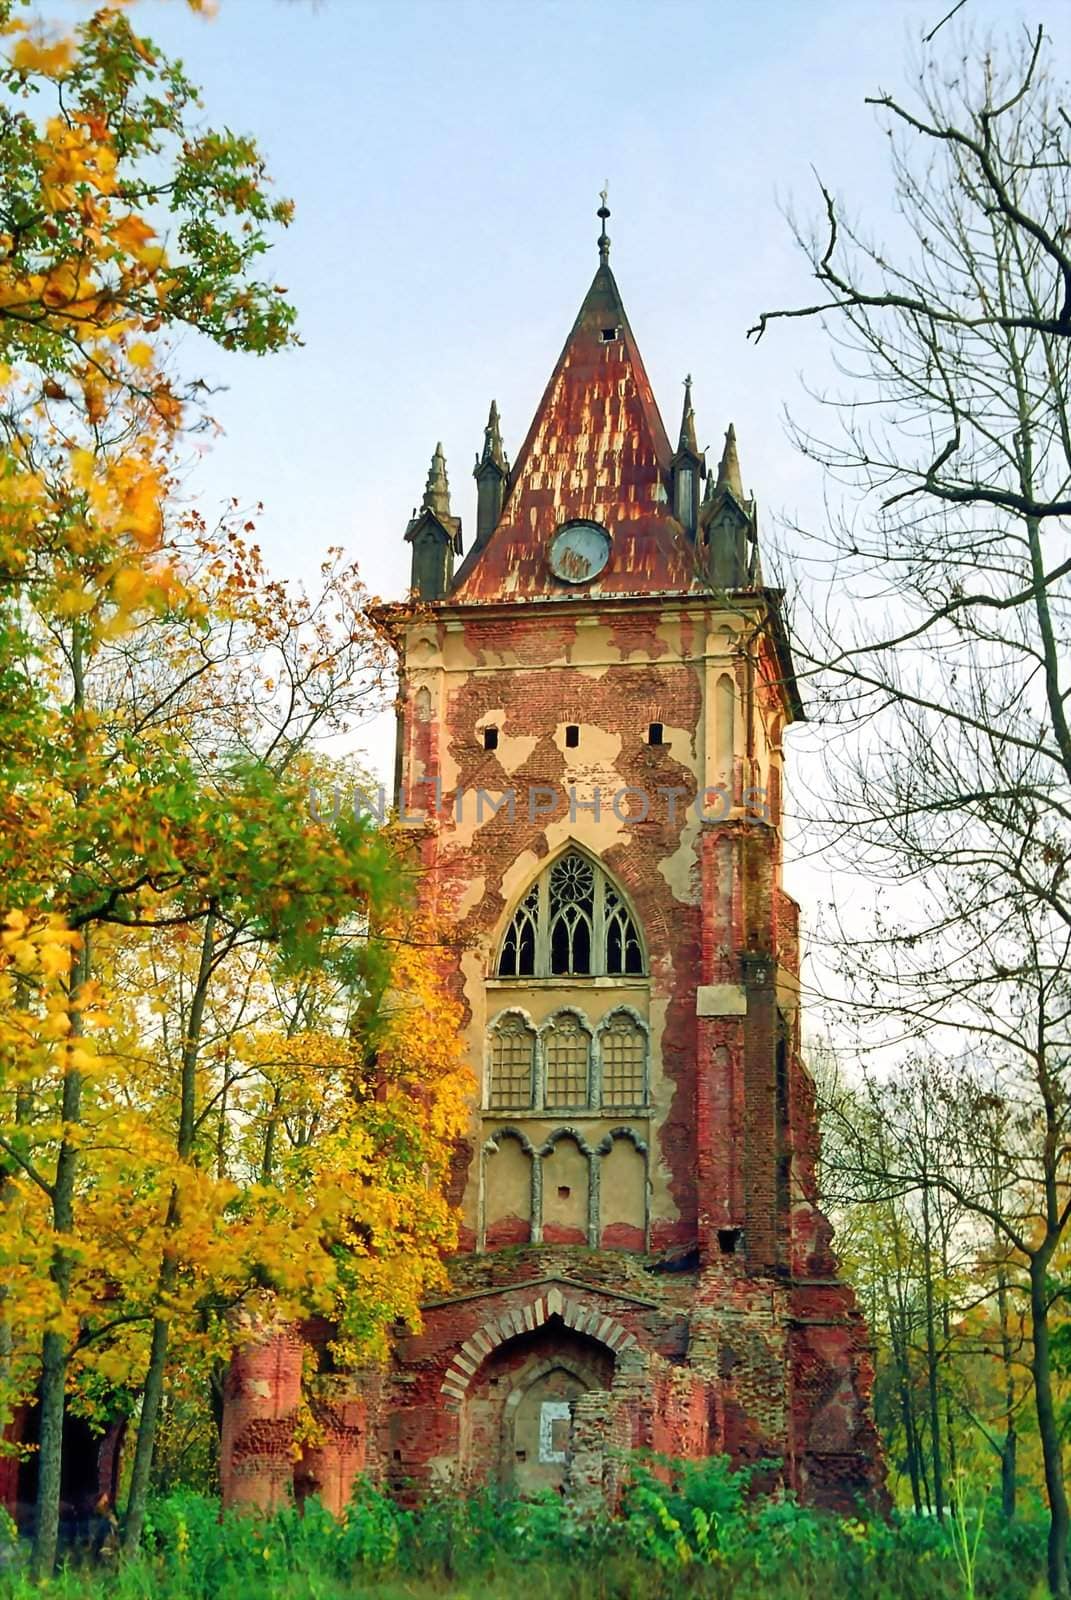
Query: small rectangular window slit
654, 733
572, 736
609, 335
563, 1192
490, 738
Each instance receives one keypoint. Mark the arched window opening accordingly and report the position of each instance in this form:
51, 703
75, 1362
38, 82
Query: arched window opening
572, 912
567, 1053
518, 956
623, 953
571, 923
624, 1063
512, 1065
725, 727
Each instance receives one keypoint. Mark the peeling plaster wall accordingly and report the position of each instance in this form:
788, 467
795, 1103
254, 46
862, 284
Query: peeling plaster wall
681, 1240
612, 674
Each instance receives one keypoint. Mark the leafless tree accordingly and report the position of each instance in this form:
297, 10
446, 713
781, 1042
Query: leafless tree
938, 649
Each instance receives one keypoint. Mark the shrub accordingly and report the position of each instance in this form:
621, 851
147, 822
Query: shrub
686, 1529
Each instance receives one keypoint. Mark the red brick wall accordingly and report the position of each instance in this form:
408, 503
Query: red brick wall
734, 1333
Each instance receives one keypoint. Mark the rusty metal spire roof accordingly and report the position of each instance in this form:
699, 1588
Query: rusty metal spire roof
597, 451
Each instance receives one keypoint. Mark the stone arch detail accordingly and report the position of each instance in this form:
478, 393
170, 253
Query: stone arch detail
533, 1375
496, 1331
604, 1148
535, 1201
546, 1149
605, 1144
565, 1133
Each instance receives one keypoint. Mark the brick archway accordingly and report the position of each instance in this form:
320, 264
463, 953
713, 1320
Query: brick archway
525, 1319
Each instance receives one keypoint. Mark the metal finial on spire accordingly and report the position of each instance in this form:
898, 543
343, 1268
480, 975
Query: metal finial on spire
602, 213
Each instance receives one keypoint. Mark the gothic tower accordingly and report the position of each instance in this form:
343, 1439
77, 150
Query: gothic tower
590, 756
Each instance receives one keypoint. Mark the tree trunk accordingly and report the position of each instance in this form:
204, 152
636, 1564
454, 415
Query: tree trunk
931, 1358
898, 1345
1008, 1452
23, 1103
55, 1349
152, 1394
153, 1391
1008, 1475
1049, 1430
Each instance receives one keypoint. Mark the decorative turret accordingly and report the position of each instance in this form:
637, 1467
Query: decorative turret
729, 467
727, 526
492, 474
434, 534
689, 467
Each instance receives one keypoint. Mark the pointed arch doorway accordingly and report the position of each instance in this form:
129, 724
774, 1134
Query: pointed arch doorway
518, 1409
537, 1425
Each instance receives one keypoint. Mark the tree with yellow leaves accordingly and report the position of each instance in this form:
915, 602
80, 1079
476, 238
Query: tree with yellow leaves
159, 869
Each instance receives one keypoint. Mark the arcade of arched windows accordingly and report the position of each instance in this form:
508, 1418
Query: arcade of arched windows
599, 1216
566, 1065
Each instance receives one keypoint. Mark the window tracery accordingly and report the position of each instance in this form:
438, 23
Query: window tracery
571, 923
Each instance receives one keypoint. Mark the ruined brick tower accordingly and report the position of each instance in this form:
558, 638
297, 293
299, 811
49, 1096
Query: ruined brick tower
590, 750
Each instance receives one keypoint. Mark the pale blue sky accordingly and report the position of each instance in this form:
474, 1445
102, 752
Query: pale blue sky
445, 157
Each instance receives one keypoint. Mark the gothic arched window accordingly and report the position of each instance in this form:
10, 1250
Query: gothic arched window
518, 956
511, 1065
572, 914
571, 923
567, 1063
623, 1049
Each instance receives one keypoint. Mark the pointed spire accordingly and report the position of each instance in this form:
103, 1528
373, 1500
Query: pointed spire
729, 468
688, 466
602, 214
437, 489
687, 439
434, 534
491, 473
728, 524
492, 444
563, 473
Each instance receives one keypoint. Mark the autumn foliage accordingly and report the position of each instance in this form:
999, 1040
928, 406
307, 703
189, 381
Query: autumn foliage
229, 1078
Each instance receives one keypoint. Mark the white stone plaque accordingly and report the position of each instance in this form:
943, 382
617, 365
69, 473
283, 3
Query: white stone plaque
554, 1419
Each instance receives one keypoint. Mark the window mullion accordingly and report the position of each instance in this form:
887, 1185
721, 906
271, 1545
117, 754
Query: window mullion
598, 929
542, 950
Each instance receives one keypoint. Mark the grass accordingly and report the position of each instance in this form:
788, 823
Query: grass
691, 1531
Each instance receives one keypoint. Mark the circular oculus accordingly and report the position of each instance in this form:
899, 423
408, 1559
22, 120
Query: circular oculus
578, 552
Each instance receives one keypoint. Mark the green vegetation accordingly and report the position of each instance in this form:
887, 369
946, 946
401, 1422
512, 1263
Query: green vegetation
692, 1530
